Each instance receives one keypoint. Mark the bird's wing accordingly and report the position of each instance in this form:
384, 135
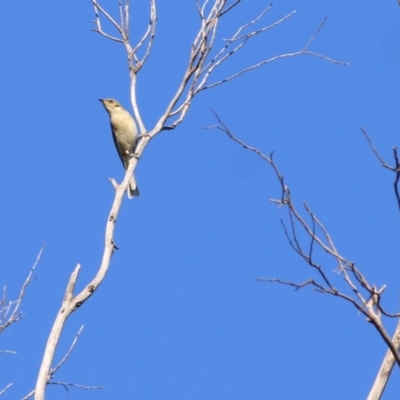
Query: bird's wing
119, 151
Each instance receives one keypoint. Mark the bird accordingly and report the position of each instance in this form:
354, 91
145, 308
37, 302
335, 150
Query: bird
125, 136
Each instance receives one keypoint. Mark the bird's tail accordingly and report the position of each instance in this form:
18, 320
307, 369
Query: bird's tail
133, 190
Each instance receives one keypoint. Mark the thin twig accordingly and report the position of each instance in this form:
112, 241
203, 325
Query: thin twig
396, 180
67, 384
395, 169
378, 156
97, 6
58, 366
14, 306
2, 391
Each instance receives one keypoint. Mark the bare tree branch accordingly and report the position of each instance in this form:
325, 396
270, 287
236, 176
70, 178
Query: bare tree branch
149, 35
58, 366
366, 298
67, 384
29, 395
386, 369
2, 391
395, 169
199, 69
53, 371
389, 360
97, 8
10, 311
70, 302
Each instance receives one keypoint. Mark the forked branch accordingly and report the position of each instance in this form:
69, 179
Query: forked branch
10, 311
389, 360
355, 288
384, 164
53, 371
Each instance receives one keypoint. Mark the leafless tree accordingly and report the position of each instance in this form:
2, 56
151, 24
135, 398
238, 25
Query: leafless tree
203, 59
307, 236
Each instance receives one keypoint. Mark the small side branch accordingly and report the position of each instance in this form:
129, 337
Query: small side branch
10, 312
225, 53
67, 385
7, 352
2, 391
98, 8
384, 164
396, 180
310, 282
53, 371
58, 366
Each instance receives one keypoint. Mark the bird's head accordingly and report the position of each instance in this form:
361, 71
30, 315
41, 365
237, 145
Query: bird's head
111, 105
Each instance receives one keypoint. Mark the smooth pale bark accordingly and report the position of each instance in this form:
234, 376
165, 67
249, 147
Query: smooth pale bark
386, 369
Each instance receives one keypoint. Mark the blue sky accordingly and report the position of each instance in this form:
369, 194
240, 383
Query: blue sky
180, 314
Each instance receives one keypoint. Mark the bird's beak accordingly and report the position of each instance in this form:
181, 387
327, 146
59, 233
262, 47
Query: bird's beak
101, 100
